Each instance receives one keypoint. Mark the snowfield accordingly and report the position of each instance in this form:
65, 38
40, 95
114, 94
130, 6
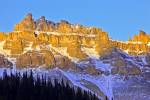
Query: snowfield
114, 86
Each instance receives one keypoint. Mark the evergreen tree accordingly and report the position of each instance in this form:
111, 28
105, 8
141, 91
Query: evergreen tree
27, 87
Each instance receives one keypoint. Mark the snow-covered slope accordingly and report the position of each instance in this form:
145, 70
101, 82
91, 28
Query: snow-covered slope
85, 57
114, 86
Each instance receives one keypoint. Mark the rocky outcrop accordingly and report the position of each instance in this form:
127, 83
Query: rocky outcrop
17, 41
64, 40
24, 35
85, 55
3, 36
29, 59
27, 24
42, 34
64, 27
126, 70
54, 40
132, 47
103, 44
43, 37
74, 50
36, 59
43, 25
17, 47
137, 46
93, 71
7, 45
64, 63
48, 58
64, 33
43, 58
141, 37
5, 63
120, 63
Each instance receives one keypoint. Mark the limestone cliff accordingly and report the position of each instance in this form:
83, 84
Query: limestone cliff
4, 62
26, 24
74, 50
41, 34
84, 56
35, 59
3, 36
137, 45
103, 44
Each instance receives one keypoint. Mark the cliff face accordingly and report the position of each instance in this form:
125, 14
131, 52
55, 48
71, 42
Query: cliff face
31, 35
4, 62
138, 45
26, 24
103, 44
36, 59
85, 55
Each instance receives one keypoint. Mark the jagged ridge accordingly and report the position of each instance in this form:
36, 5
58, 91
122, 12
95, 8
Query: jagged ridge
85, 53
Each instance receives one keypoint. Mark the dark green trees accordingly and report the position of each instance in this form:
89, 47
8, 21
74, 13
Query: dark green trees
27, 87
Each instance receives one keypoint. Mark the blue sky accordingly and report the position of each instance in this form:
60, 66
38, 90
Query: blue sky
120, 18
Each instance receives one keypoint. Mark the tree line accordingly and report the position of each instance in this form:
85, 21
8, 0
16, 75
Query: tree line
26, 87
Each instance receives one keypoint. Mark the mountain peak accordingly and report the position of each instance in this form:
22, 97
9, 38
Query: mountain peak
42, 18
28, 16
142, 33
83, 55
26, 24
62, 33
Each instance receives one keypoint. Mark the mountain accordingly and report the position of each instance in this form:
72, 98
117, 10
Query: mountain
85, 57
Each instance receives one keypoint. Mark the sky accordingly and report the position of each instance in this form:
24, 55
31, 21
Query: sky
120, 18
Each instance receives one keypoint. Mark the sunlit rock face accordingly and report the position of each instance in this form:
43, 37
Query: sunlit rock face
30, 34
24, 35
43, 25
36, 59
85, 55
54, 40
103, 44
17, 47
74, 50
3, 36
141, 37
43, 58
37, 35
16, 42
137, 46
64, 27
27, 24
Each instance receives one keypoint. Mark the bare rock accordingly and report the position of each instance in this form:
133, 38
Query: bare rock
27, 24
36, 59
103, 45
43, 25
74, 50
3, 36
126, 70
4, 63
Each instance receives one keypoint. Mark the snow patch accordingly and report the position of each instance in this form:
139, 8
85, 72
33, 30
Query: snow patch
90, 52
63, 51
2, 51
29, 48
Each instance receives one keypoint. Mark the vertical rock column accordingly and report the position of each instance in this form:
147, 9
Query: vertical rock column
103, 44
27, 24
74, 50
